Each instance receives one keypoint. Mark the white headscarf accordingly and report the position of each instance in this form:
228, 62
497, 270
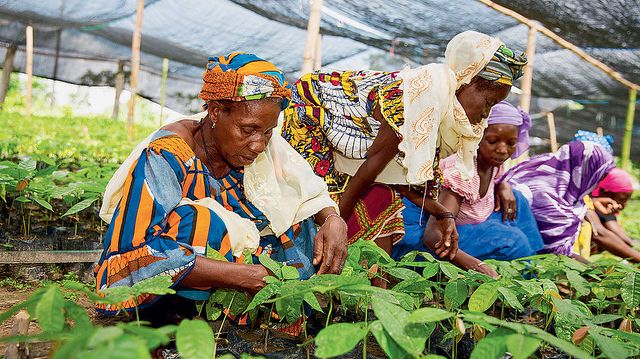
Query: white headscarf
432, 114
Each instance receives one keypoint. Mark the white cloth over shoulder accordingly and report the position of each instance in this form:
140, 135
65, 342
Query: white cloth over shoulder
280, 183
432, 114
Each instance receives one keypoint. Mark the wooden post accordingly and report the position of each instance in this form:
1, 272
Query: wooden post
317, 61
313, 31
628, 130
55, 68
135, 66
29, 69
7, 69
165, 71
552, 132
562, 42
20, 327
119, 86
527, 78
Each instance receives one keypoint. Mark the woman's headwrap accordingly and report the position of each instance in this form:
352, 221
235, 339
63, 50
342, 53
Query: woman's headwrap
588, 136
505, 66
242, 77
506, 113
617, 181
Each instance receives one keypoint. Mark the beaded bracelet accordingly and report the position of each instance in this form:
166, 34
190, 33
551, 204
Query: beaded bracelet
335, 215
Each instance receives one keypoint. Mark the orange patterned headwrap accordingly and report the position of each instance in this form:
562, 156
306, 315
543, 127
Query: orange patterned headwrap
242, 77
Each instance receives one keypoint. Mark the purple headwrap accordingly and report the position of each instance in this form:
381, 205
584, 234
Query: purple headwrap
555, 185
505, 113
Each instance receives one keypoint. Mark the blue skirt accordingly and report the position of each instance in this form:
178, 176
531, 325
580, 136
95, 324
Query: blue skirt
491, 239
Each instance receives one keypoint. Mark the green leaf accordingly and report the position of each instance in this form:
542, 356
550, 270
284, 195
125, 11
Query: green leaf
290, 273
80, 206
611, 348
483, 297
104, 335
402, 273
42, 203
455, 294
430, 269
390, 347
49, 310
271, 265
194, 340
155, 285
510, 298
215, 255
289, 301
263, 295
153, 337
630, 289
449, 270
27, 164
393, 319
604, 318
212, 311
521, 346
312, 300
338, 339
123, 347
580, 284
493, 346
426, 315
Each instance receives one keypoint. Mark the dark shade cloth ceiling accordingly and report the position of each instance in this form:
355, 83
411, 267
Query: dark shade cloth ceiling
95, 34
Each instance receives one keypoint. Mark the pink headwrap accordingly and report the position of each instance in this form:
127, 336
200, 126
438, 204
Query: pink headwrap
505, 113
616, 181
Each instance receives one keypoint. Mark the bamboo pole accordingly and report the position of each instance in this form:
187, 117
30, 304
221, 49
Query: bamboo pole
527, 78
313, 31
628, 129
7, 69
552, 132
317, 61
29, 70
55, 67
135, 66
562, 42
165, 71
119, 86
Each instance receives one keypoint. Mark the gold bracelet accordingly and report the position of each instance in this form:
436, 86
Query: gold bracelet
479, 265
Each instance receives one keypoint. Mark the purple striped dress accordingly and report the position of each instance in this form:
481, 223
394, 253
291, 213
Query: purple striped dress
555, 184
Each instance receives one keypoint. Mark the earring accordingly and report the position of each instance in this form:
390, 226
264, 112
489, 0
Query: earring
213, 124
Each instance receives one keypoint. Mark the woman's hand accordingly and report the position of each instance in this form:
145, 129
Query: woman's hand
253, 280
506, 200
484, 268
447, 247
606, 205
596, 224
330, 245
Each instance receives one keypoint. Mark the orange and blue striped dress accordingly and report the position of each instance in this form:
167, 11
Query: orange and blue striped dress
151, 235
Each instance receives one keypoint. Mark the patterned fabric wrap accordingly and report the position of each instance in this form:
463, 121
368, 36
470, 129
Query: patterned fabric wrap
555, 184
605, 141
333, 112
617, 181
241, 77
505, 66
505, 113
151, 234
377, 214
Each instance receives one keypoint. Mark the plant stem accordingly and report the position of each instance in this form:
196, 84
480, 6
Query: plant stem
326, 324
266, 331
215, 342
366, 323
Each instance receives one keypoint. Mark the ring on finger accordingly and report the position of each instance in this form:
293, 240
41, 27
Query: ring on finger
509, 210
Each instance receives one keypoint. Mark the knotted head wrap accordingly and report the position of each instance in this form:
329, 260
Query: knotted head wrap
243, 77
587, 136
617, 181
505, 113
505, 66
